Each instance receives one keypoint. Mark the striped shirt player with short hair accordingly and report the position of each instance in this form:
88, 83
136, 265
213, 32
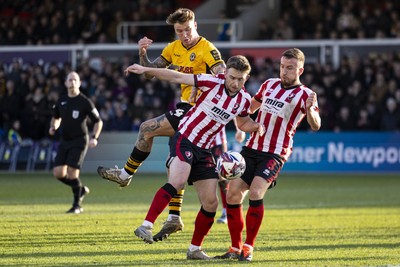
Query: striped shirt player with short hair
214, 109
281, 110
189, 53
282, 104
222, 99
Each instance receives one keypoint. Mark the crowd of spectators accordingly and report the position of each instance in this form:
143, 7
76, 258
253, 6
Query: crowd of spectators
333, 19
95, 21
28, 92
361, 94
81, 21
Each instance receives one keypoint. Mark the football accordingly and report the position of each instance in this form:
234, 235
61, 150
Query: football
231, 165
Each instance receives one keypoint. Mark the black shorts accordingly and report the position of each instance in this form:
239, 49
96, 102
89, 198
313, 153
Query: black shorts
266, 165
201, 160
175, 116
71, 152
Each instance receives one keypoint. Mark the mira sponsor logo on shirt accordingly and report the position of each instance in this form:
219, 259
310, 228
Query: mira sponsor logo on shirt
220, 113
273, 105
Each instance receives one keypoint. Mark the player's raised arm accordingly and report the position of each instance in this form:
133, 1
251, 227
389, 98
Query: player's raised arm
313, 118
162, 74
159, 62
218, 68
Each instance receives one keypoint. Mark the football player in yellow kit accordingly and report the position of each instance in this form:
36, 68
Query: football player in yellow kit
190, 53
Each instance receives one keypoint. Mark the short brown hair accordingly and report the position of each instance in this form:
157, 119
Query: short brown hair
239, 63
180, 16
295, 53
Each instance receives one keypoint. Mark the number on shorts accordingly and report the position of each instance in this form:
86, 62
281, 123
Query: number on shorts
178, 112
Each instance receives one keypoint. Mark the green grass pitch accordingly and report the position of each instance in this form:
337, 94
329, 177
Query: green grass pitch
310, 220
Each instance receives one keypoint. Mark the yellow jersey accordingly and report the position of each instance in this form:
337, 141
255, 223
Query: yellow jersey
200, 58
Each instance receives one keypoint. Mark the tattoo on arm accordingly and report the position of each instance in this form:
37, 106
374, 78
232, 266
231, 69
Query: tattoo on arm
219, 68
159, 62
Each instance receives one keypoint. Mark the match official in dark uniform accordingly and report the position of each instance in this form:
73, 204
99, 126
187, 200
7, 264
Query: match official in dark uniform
70, 115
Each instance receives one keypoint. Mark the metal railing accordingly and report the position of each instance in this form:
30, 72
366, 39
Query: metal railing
316, 51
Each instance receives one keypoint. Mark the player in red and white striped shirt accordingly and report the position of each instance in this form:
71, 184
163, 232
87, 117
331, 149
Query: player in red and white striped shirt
281, 104
222, 98
281, 110
214, 109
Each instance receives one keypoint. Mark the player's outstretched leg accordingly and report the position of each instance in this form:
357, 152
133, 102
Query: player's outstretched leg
148, 130
115, 175
123, 176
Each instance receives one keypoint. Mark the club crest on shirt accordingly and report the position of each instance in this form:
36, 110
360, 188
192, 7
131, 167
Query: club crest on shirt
188, 154
290, 97
75, 114
235, 108
192, 56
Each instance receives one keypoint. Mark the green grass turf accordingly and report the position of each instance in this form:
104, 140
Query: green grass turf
310, 220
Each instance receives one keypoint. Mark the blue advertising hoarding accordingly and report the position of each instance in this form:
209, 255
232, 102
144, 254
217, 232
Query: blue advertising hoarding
342, 152
352, 152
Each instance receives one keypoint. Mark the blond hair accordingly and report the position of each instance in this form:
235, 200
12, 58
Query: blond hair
180, 16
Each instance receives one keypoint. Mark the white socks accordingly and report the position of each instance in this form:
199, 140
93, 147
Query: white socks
124, 175
193, 247
147, 224
170, 216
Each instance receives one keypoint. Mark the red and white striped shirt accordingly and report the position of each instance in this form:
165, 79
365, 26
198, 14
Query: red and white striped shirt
220, 138
213, 110
281, 111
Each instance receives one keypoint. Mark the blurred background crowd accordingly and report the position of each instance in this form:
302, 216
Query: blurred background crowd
360, 94
36, 22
